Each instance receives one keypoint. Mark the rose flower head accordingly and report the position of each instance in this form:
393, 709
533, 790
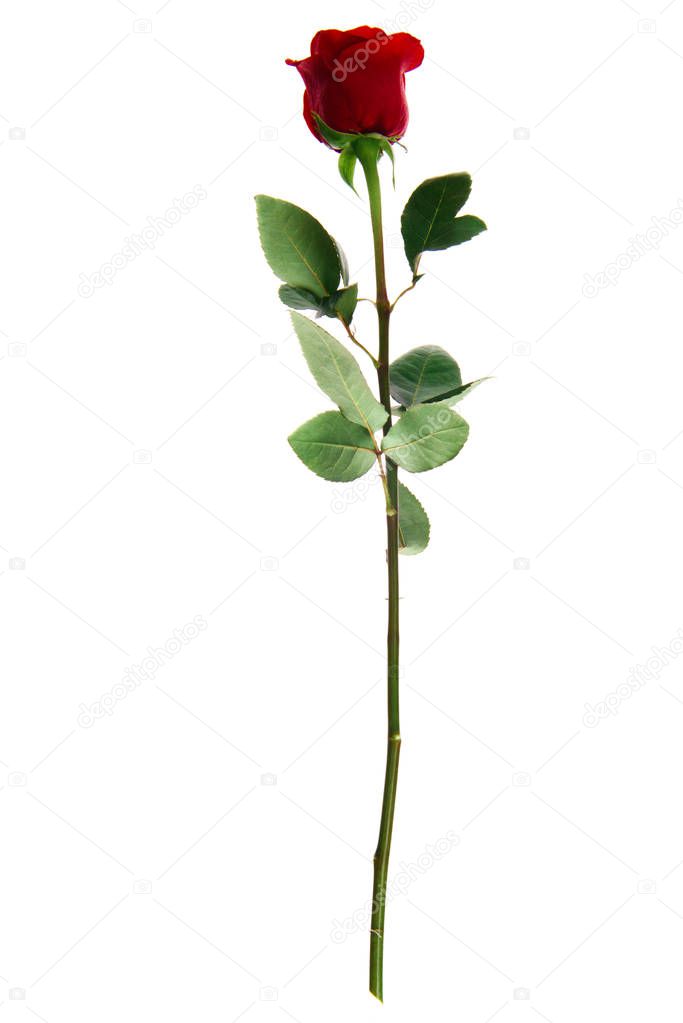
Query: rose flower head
355, 80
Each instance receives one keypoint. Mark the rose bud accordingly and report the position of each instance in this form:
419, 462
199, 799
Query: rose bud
355, 80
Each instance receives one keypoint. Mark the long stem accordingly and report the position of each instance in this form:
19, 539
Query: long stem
368, 156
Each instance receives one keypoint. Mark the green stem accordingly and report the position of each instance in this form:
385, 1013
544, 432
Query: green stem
368, 155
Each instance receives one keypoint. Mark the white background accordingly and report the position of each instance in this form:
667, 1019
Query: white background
148, 869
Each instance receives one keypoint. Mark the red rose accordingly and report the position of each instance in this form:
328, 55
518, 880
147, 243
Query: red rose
355, 80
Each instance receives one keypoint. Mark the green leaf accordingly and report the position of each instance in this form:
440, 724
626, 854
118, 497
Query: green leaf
298, 248
460, 230
449, 401
425, 436
413, 524
338, 374
423, 374
299, 298
335, 139
428, 223
333, 448
458, 394
343, 262
347, 166
345, 302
